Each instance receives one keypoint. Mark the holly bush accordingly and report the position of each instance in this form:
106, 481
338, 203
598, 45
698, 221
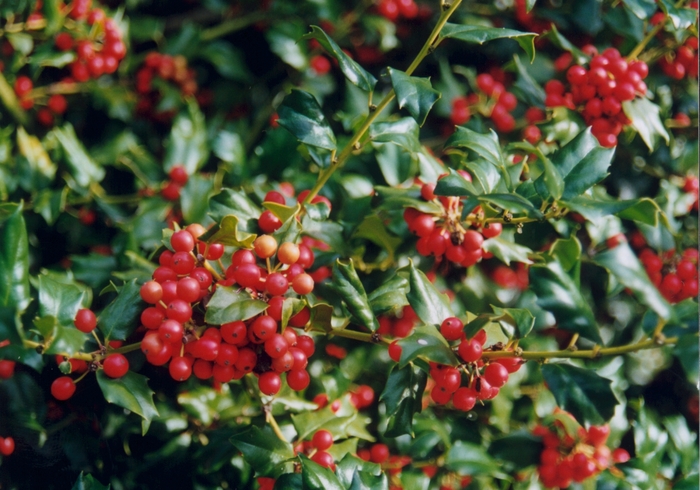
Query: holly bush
382, 244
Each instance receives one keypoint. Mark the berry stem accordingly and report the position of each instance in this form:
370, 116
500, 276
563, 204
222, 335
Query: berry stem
361, 336
350, 146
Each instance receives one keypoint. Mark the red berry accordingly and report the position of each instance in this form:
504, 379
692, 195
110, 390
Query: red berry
180, 368
85, 320
395, 351
470, 350
268, 222
178, 174
298, 379
182, 241
62, 388
7, 446
57, 104
115, 365
320, 64
322, 440
323, 458
496, 374
151, 292
451, 328
269, 383
23, 85
379, 453
7, 369
464, 399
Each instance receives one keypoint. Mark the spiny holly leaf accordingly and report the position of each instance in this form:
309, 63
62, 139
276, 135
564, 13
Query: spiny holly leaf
300, 114
521, 448
517, 322
289, 231
316, 477
481, 34
403, 132
681, 17
230, 202
228, 304
507, 251
187, 144
82, 167
426, 341
622, 263
513, 203
415, 94
484, 145
14, 258
31, 148
350, 467
194, 198
471, 459
431, 306
455, 185
263, 450
346, 283
61, 299
343, 423
402, 397
351, 69
558, 293
227, 232
389, 296
644, 210
321, 315
644, 115
119, 319
561, 42
587, 396
131, 391
281, 211
57, 338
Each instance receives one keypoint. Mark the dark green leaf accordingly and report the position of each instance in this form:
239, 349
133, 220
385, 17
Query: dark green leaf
263, 450
187, 144
481, 34
518, 321
88, 482
346, 283
681, 17
529, 90
644, 210
561, 42
587, 396
82, 167
14, 259
351, 465
316, 477
351, 69
289, 481
227, 59
559, 294
120, 318
512, 203
567, 252
59, 339
50, 204
229, 305
393, 199
415, 94
194, 198
455, 185
131, 391
61, 299
644, 115
389, 296
431, 306
402, 397
485, 145
622, 263
328, 232
403, 132
227, 232
373, 228
520, 448
300, 114
230, 202
507, 251
470, 459
686, 350
289, 231
428, 343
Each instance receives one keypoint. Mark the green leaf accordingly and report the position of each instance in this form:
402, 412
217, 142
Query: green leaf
568, 252
561, 42
289, 231
351, 69
454, 184
88, 482
14, 259
50, 204
351, 467
467, 458
681, 17
484, 145
558, 293
390, 296
622, 263
427, 342
321, 316
581, 163
587, 396
194, 198
513, 203
416, 94
402, 397
263, 450
517, 321
373, 228
644, 210
507, 251
61, 300
59, 339
393, 199
37, 157
316, 477
481, 34
300, 114
644, 115
131, 391
403, 132
229, 305
431, 306
120, 318
82, 167
187, 144
228, 60
520, 448
346, 283
227, 232
686, 351
230, 202
528, 90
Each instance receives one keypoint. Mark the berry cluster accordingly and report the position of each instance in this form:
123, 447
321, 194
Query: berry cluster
7, 446
181, 283
675, 276
682, 63
443, 233
510, 278
317, 448
492, 99
177, 178
599, 91
568, 458
269, 222
167, 68
393, 9
398, 326
691, 185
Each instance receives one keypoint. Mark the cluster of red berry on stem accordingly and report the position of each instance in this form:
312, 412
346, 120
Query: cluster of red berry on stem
394, 9
177, 177
269, 222
168, 68
444, 234
599, 91
568, 458
675, 276
493, 100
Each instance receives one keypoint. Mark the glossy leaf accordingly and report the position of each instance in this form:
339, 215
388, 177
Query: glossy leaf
390, 296
415, 94
587, 396
402, 397
517, 321
82, 167
471, 459
454, 184
520, 448
131, 392
316, 477
426, 342
480, 34
431, 306
14, 259
559, 294
187, 144
321, 316
644, 210
301, 115
31, 148
346, 283
120, 317
61, 299
644, 115
681, 17
507, 251
512, 203
230, 202
228, 304
227, 232
687, 352
351, 69
350, 467
622, 263
484, 145
263, 450
194, 198
403, 132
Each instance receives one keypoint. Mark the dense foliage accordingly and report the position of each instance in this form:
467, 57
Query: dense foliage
348, 245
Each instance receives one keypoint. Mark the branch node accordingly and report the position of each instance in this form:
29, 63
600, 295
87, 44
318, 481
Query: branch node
595, 353
372, 107
376, 338
659, 339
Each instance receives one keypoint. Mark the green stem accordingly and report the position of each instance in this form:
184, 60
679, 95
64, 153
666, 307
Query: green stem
345, 153
233, 25
650, 35
584, 354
